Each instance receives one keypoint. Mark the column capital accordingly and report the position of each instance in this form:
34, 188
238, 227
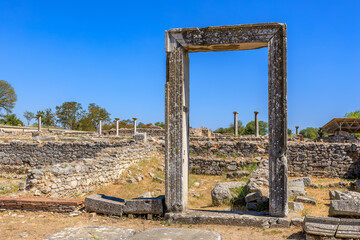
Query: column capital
135, 119
235, 112
117, 119
256, 112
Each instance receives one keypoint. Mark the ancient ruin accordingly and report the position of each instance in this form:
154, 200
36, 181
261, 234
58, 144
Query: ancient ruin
178, 43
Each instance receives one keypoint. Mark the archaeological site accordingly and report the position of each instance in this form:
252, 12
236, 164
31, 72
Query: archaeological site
172, 181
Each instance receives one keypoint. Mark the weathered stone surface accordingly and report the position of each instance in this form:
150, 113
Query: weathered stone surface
296, 206
322, 226
344, 195
92, 232
176, 234
348, 228
355, 186
104, 204
225, 218
252, 187
303, 199
221, 193
296, 187
145, 205
344, 208
250, 197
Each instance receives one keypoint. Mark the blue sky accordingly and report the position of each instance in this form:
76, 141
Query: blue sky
112, 53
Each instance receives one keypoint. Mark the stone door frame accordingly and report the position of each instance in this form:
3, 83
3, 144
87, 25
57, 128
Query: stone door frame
178, 43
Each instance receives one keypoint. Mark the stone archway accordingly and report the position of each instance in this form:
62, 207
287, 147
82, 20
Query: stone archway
178, 43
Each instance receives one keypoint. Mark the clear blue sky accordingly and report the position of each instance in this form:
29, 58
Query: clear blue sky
112, 53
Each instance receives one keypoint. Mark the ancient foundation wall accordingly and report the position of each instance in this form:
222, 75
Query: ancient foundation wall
129, 132
83, 176
21, 157
304, 159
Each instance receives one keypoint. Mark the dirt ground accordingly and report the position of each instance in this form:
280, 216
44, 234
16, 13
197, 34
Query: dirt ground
38, 225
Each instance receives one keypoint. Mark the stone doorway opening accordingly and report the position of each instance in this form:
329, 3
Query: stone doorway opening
178, 43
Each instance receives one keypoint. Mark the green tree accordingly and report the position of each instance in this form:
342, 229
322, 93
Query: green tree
355, 114
68, 114
8, 96
11, 119
160, 124
48, 118
290, 133
95, 113
230, 129
29, 116
250, 128
310, 132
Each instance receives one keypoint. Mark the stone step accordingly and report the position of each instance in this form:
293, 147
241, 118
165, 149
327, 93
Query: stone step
253, 219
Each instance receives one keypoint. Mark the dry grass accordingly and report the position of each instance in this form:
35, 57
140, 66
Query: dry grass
41, 225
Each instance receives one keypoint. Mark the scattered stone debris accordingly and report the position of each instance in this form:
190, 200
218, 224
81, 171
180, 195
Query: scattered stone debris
221, 193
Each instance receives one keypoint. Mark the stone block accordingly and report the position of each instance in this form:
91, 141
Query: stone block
296, 206
221, 193
296, 187
100, 203
344, 208
145, 205
322, 226
140, 137
303, 199
250, 197
348, 228
176, 234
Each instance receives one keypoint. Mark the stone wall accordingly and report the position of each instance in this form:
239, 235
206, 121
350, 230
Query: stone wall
129, 132
304, 158
84, 175
21, 157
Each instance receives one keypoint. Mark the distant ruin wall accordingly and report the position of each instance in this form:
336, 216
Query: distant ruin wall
129, 132
304, 159
21, 157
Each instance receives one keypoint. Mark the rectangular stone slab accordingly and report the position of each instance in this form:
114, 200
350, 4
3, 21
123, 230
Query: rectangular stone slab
344, 208
145, 205
348, 228
322, 226
100, 203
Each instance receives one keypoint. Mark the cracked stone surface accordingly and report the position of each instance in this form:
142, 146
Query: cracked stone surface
92, 232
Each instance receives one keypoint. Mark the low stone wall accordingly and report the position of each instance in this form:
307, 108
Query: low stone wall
21, 157
83, 176
335, 160
324, 160
217, 166
129, 132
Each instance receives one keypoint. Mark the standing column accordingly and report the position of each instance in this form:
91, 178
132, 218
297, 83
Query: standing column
117, 126
256, 124
134, 125
39, 122
177, 129
297, 130
278, 170
100, 127
235, 124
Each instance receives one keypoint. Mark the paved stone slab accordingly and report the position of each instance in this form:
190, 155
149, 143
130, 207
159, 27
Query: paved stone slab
101, 203
176, 234
322, 226
344, 208
92, 232
145, 205
253, 219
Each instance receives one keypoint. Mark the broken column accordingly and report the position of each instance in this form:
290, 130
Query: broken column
134, 125
117, 126
235, 124
39, 122
297, 130
256, 124
100, 127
